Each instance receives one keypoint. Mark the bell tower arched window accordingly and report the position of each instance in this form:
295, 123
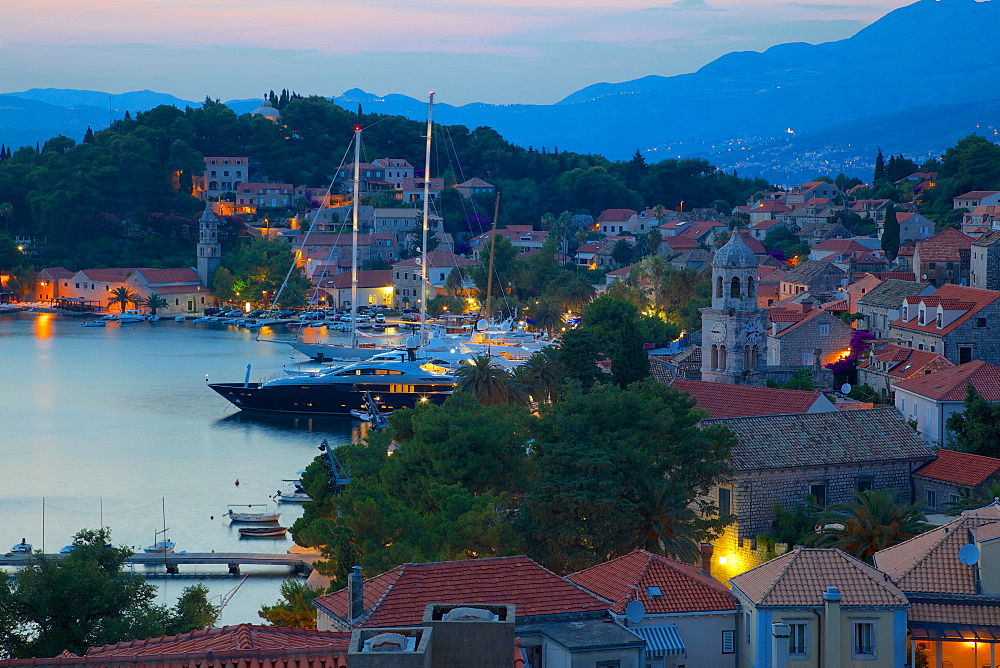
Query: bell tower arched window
718, 287
734, 287
751, 288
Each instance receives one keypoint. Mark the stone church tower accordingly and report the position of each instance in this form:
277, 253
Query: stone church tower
209, 250
734, 328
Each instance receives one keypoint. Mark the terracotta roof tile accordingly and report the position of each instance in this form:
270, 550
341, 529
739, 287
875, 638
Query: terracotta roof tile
791, 441
929, 562
616, 215
398, 597
372, 278
961, 468
228, 638
799, 578
943, 246
976, 194
985, 613
891, 292
438, 258
979, 299
685, 588
722, 400
951, 384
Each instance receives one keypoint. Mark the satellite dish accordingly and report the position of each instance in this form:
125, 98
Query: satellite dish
482, 325
845, 388
969, 554
635, 611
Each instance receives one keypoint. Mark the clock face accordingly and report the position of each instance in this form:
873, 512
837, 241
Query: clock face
719, 332
753, 332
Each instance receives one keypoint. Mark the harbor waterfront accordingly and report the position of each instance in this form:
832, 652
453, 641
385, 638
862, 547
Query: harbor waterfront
116, 425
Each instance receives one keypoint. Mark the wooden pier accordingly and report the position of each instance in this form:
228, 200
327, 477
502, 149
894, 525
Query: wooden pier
301, 563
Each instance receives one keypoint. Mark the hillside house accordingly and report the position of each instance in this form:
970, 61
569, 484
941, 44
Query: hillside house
953, 477
943, 258
805, 336
958, 322
974, 198
883, 304
888, 364
929, 399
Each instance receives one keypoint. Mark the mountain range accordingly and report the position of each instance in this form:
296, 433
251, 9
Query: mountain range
914, 82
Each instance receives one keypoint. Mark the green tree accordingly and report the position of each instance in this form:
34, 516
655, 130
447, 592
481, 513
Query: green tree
578, 357
976, 428
576, 292
83, 600
192, 611
890, 234
546, 315
586, 506
614, 324
872, 522
295, 608
622, 252
122, 297
879, 175
10, 255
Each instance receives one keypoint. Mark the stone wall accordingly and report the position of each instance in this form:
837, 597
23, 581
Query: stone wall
787, 348
821, 378
943, 492
984, 341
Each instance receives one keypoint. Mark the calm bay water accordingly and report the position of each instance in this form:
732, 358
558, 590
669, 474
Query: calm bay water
116, 424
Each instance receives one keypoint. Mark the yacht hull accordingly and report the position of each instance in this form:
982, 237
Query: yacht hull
320, 399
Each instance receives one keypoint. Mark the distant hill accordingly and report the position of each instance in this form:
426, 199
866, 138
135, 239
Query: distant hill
932, 62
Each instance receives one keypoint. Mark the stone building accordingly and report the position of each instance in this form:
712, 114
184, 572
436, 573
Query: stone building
821, 279
943, 258
734, 327
884, 303
956, 321
209, 249
984, 265
952, 476
805, 336
786, 460
407, 274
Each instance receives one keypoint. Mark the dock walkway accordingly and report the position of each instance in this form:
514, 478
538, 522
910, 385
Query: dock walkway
302, 563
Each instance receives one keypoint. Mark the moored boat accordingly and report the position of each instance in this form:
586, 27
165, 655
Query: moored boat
23, 547
252, 516
96, 323
263, 532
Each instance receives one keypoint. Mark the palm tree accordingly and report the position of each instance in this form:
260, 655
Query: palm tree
546, 315
123, 297
870, 523
486, 381
577, 293
153, 302
545, 373
970, 501
622, 252
667, 523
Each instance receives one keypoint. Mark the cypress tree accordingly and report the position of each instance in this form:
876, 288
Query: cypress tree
88, 138
879, 167
890, 234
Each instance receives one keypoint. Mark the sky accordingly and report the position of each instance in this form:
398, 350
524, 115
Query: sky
494, 51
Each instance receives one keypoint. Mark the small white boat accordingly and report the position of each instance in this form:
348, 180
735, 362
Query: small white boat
96, 323
67, 549
160, 547
21, 548
295, 495
149, 317
180, 318
252, 516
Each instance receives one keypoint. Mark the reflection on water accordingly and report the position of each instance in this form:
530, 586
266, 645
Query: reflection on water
104, 422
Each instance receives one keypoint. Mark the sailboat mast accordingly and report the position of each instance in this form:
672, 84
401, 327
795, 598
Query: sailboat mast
424, 292
489, 274
354, 235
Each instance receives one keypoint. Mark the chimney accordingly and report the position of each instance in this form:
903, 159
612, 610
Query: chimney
780, 634
706, 549
355, 594
831, 626
806, 304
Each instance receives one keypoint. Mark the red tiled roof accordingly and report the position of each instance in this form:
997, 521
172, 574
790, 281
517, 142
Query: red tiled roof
241, 637
836, 305
976, 194
678, 242
840, 245
615, 215
398, 597
722, 400
176, 275
108, 275
905, 362
944, 246
801, 577
979, 299
753, 244
685, 587
770, 206
951, 384
961, 468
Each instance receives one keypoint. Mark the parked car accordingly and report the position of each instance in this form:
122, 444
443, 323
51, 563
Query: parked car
410, 317
380, 317
363, 318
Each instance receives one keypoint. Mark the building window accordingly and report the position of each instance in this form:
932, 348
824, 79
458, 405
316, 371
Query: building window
931, 498
746, 624
729, 642
613, 663
725, 501
980, 322
797, 639
864, 640
964, 354
533, 656
818, 492
824, 330
865, 485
